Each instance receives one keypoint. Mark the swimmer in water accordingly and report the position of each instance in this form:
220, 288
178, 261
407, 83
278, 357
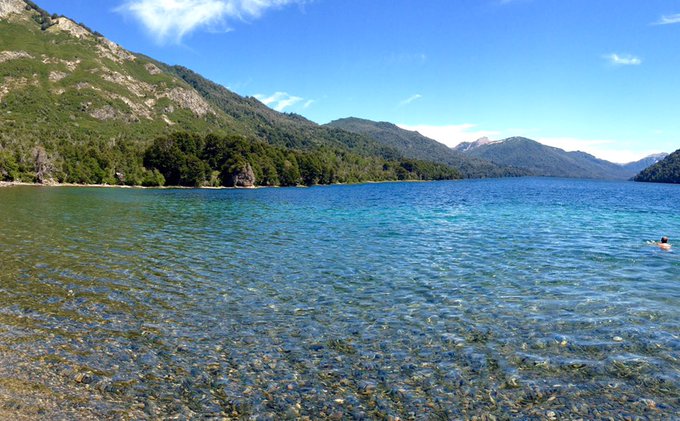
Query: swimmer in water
664, 244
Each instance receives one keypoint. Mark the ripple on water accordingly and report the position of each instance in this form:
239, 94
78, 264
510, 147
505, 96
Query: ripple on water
527, 298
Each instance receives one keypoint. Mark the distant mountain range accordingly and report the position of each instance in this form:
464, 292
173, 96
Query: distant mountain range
512, 156
646, 162
415, 145
77, 107
548, 161
664, 171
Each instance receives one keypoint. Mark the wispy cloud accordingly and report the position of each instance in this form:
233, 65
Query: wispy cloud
281, 100
410, 99
451, 135
668, 19
171, 20
623, 60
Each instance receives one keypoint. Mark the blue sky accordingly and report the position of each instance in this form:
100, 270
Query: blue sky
599, 76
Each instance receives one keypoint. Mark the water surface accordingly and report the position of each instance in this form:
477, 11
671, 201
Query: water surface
520, 298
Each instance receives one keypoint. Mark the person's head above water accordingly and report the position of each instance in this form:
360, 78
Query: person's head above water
664, 240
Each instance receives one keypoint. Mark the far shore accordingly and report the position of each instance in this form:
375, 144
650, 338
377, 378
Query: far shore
121, 186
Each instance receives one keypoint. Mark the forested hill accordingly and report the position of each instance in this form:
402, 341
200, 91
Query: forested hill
664, 171
644, 163
549, 161
416, 145
282, 129
76, 107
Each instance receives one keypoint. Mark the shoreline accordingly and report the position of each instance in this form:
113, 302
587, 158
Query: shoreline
114, 186
119, 186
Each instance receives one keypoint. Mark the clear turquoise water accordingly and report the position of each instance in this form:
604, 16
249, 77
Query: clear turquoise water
519, 298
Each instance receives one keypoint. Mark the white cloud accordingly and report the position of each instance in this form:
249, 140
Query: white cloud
280, 100
410, 99
451, 135
668, 19
623, 60
308, 103
173, 19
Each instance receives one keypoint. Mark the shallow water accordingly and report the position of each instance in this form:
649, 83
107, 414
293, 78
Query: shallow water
519, 298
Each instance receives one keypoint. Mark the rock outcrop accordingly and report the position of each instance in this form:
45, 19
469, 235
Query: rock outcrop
114, 52
8, 7
189, 99
67, 25
243, 177
13, 55
43, 166
152, 69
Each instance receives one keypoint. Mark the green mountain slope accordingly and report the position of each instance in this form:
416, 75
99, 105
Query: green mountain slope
664, 171
76, 107
548, 161
415, 145
646, 162
74, 98
281, 129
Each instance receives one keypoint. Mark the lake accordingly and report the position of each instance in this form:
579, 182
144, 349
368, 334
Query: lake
526, 298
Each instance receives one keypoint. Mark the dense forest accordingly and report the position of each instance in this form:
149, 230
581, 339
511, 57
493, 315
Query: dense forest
664, 171
415, 145
192, 160
548, 161
79, 109
186, 159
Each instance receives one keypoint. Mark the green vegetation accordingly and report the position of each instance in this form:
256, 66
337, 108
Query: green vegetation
282, 129
415, 145
548, 161
665, 171
79, 109
191, 160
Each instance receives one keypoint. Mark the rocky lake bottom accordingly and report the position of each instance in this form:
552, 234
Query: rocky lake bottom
521, 298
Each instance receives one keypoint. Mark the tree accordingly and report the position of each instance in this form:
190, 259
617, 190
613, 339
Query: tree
9, 170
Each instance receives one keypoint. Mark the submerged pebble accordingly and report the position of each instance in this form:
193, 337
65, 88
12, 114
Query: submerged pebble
390, 302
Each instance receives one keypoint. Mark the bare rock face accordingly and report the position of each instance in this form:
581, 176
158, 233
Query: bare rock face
189, 99
43, 166
13, 55
10, 84
152, 68
70, 65
67, 25
136, 87
107, 112
8, 7
57, 76
244, 177
114, 52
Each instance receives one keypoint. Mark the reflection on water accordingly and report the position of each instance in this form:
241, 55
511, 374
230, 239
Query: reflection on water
528, 298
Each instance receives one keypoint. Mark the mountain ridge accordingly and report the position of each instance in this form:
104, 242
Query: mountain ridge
79, 108
550, 161
87, 109
421, 147
665, 171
